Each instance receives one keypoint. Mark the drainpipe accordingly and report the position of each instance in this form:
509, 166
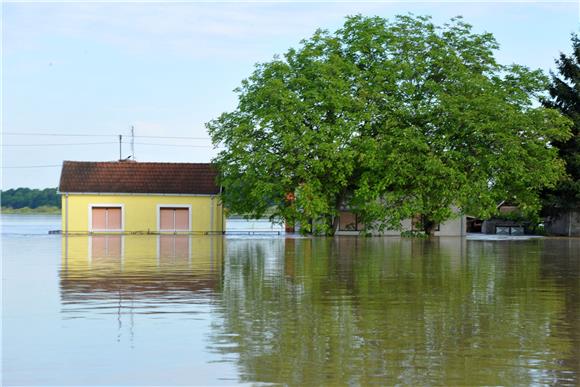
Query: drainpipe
211, 215
222, 216
66, 213
66, 231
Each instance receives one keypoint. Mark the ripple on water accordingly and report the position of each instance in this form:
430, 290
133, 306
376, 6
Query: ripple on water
292, 311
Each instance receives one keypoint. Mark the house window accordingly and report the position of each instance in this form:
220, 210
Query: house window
174, 219
106, 219
349, 221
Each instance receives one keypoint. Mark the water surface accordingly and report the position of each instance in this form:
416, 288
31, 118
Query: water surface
192, 310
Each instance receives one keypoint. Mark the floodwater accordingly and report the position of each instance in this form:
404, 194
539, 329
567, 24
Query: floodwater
193, 310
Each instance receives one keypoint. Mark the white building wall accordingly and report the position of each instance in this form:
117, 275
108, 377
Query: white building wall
453, 227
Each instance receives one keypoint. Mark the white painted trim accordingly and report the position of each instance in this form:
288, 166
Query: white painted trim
137, 194
160, 206
114, 205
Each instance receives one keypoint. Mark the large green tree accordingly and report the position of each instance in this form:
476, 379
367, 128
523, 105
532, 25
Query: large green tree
565, 96
392, 119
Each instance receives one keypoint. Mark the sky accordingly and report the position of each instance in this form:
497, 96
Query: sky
76, 75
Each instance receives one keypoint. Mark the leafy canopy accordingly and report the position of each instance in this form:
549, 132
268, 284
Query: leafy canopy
392, 118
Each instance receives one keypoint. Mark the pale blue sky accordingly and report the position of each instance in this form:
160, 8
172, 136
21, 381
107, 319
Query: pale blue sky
98, 68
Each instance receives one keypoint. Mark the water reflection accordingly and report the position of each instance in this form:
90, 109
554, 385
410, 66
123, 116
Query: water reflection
106, 247
385, 311
345, 310
118, 274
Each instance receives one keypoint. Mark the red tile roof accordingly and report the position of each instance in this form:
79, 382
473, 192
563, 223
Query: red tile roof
136, 177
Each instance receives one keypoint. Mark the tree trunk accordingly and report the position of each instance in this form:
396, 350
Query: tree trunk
334, 224
428, 226
337, 206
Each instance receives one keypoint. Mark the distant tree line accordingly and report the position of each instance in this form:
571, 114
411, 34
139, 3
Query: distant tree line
31, 198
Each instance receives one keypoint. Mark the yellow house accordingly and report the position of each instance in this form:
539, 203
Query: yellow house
133, 198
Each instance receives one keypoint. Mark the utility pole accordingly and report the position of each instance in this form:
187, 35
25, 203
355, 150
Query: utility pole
120, 147
132, 143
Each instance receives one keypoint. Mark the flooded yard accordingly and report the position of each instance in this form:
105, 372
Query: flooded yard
213, 310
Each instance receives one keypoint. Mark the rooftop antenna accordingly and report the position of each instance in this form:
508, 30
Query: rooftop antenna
133, 142
120, 147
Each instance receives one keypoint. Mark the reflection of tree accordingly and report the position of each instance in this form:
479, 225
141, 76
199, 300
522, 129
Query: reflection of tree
362, 311
561, 264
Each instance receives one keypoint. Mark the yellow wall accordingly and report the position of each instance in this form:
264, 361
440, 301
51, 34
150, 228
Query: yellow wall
142, 253
140, 212
141, 264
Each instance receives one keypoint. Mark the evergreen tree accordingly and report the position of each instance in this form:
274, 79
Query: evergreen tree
565, 93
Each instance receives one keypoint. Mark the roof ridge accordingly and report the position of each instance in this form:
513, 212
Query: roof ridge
136, 162
138, 177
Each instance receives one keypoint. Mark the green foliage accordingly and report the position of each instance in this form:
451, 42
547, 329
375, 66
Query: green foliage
414, 234
392, 119
31, 198
536, 229
565, 96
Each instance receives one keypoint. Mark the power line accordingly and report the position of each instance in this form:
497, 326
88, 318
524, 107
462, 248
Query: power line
99, 135
32, 166
106, 143
175, 145
71, 143
177, 137
56, 134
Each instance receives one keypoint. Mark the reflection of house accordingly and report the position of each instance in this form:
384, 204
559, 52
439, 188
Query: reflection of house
104, 266
132, 197
349, 224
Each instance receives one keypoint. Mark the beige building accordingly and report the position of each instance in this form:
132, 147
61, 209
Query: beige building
349, 225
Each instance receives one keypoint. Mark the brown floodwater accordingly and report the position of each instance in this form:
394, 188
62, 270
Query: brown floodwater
193, 310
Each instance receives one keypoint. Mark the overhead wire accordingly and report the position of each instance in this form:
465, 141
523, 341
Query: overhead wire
32, 166
108, 143
100, 135
176, 145
71, 143
93, 143
56, 134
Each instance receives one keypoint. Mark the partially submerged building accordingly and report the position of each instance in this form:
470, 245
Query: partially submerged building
135, 197
565, 224
349, 224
